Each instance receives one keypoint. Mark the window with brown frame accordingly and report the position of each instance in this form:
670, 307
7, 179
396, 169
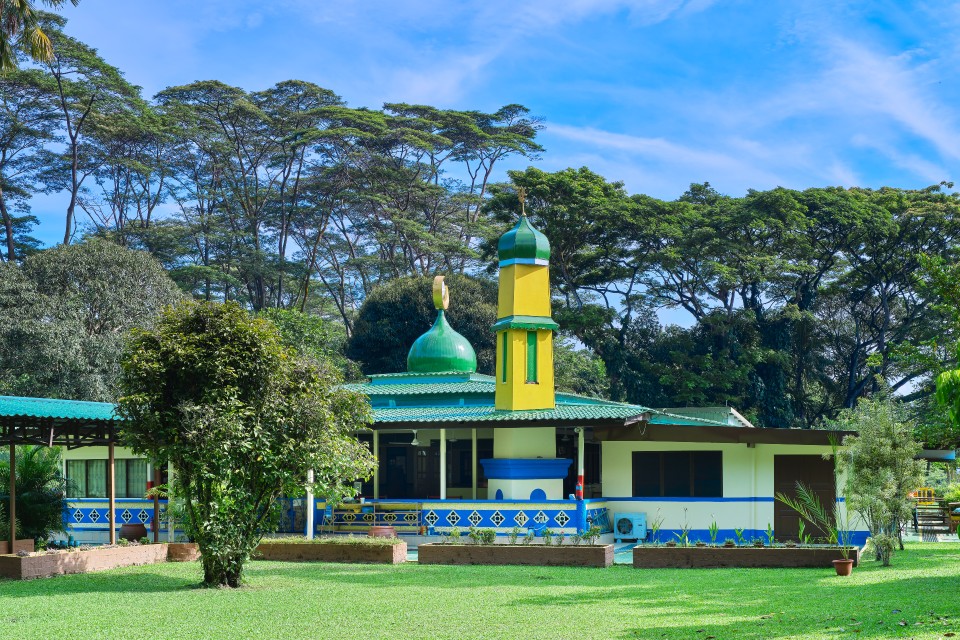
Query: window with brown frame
678, 474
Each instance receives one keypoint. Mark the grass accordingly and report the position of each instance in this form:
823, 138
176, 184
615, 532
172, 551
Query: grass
916, 598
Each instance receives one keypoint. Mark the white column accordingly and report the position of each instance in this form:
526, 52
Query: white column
169, 501
376, 472
473, 460
580, 440
311, 507
443, 464
111, 492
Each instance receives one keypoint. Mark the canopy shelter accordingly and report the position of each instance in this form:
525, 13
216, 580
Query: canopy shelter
67, 423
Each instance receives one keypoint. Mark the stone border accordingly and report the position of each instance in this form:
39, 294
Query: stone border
45, 565
650, 557
600, 555
332, 552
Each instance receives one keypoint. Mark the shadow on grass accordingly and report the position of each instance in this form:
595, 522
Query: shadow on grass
137, 581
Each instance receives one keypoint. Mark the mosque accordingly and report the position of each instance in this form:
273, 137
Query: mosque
458, 449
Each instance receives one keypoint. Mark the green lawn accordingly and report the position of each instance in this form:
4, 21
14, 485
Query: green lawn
917, 598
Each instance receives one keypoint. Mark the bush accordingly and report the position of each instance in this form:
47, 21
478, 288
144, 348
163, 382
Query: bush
41, 490
952, 492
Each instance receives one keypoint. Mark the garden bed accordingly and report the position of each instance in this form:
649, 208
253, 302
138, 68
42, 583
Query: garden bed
600, 555
53, 563
353, 550
18, 545
651, 557
182, 552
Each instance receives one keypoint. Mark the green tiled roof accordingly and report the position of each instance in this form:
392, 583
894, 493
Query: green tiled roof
562, 413
399, 388
525, 322
13, 406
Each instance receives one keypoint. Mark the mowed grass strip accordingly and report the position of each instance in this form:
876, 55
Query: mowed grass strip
916, 598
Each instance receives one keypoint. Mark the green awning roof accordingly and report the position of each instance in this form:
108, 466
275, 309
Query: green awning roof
49, 408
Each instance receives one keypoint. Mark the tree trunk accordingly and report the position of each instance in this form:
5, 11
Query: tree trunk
8, 227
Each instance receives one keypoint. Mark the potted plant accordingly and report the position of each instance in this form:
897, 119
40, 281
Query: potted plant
834, 521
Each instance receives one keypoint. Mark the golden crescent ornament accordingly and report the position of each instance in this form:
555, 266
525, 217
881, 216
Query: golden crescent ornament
441, 295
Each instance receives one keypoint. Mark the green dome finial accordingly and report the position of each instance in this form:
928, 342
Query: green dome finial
441, 349
523, 245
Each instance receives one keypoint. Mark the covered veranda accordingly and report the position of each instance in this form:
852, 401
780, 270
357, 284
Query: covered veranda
66, 423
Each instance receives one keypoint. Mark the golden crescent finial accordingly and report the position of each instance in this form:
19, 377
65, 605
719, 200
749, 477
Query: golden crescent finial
441, 295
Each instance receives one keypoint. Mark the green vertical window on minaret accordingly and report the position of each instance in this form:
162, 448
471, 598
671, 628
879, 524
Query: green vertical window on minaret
503, 358
531, 356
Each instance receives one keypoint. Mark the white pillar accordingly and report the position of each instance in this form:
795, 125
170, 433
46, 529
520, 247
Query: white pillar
473, 461
376, 457
311, 507
169, 501
580, 440
443, 464
111, 493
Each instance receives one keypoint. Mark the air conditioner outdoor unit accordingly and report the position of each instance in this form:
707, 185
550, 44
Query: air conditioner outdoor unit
630, 526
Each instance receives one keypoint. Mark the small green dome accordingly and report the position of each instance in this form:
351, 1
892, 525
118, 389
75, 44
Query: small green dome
524, 245
441, 349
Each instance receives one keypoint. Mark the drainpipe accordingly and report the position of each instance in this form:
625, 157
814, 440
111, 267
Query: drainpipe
311, 507
443, 464
376, 457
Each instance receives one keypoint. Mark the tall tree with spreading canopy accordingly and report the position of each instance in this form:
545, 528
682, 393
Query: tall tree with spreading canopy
242, 419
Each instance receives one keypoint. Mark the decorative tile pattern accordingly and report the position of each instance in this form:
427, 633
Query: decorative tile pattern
474, 518
521, 518
143, 516
497, 518
431, 518
453, 518
390, 517
94, 516
78, 515
369, 517
410, 517
126, 516
540, 518
561, 518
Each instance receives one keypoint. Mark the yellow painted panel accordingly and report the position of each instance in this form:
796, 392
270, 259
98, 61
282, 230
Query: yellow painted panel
516, 393
524, 291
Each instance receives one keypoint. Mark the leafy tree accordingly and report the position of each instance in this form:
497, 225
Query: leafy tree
579, 370
242, 419
401, 310
880, 468
20, 24
66, 310
92, 95
313, 337
27, 125
41, 489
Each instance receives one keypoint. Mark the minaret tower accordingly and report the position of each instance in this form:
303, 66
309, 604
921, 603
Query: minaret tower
524, 327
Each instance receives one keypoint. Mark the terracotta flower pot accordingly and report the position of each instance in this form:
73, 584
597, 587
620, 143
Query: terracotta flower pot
843, 567
382, 531
133, 532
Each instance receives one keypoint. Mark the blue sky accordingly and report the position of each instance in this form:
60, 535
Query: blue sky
656, 93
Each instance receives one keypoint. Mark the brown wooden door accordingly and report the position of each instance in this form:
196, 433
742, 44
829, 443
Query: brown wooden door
813, 471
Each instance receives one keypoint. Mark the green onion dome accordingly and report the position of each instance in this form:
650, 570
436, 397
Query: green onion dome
440, 350
523, 245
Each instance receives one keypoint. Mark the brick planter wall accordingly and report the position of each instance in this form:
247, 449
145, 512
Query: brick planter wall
332, 552
52, 564
645, 557
18, 545
556, 556
182, 552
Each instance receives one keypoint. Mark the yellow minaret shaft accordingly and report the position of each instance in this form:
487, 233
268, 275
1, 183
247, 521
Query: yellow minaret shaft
524, 327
